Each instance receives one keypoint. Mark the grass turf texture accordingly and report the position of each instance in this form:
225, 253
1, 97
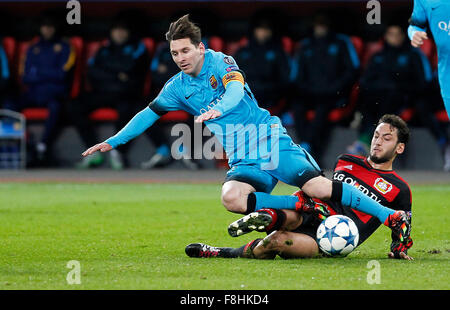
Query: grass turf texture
132, 236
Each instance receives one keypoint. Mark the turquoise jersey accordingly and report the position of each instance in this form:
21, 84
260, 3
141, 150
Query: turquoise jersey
199, 94
435, 15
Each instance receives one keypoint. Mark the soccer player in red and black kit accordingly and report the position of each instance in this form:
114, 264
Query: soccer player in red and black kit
291, 234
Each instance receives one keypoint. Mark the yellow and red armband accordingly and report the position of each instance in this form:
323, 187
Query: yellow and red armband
232, 76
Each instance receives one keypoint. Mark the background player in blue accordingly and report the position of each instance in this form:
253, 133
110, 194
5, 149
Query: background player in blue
211, 86
435, 15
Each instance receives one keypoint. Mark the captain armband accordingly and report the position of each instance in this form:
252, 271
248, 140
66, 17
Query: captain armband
233, 76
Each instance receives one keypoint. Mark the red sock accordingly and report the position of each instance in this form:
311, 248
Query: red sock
278, 218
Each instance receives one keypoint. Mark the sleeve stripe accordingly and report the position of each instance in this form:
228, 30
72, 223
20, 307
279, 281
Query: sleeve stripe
4, 60
232, 76
71, 61
351, 50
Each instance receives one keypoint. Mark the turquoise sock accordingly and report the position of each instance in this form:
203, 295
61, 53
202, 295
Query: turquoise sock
354, 198
264, 200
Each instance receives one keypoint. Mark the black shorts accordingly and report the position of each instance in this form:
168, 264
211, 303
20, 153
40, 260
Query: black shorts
309, 226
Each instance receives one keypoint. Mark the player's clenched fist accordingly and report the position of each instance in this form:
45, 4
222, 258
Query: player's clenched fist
102, 147
418, 38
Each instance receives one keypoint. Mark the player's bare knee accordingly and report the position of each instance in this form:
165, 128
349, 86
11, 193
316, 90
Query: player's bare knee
232, 200
318, 187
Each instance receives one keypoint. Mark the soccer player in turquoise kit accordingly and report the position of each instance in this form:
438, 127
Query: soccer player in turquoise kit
211, 86
435, 15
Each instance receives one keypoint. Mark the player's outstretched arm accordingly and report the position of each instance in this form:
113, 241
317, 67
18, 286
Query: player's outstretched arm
137, 125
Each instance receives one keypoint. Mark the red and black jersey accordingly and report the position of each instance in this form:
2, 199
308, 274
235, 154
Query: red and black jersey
385, 187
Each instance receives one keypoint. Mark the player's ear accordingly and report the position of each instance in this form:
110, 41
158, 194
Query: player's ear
400, 148
202, 47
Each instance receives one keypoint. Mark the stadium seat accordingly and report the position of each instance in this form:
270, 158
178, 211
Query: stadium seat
77, 44
408, 114
216, 43
104, 115
358, 43
338, 114
150, 45
370, 49
233, 46
41, 114
175, 116
9, 45
429, 49
31, 114
442, 116
288, 45
21, 50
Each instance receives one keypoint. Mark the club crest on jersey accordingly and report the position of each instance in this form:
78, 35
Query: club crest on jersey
213, 82
382, 185
228, 60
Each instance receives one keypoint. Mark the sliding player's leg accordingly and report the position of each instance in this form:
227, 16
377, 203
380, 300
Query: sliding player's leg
283, 243
268, 220
350, 196
286, 244
265, 220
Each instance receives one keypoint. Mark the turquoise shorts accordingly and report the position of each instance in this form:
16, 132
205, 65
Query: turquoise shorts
293, 166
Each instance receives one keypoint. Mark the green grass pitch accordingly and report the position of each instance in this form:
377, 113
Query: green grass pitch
132, 236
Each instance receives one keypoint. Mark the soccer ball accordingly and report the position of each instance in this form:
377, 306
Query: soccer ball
337, 235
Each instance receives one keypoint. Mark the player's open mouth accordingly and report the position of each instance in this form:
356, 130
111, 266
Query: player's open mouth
184, 66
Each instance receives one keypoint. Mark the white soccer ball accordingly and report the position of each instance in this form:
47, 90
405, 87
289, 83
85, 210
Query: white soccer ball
337, 235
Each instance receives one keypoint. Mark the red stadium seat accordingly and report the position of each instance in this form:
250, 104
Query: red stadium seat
232, 47
35, 114
41, 114
77, 44
175, 116
288, 45
358, 43
104, 115
150, 45
407, 114
216, 43
338, 114
21, 51
442, 116
370, 50
31, 114
429, 49
9, 45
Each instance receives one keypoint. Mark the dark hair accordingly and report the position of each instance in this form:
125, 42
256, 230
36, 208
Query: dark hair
184, 28
395, 121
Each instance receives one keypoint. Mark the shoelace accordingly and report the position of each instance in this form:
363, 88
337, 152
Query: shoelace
208, 251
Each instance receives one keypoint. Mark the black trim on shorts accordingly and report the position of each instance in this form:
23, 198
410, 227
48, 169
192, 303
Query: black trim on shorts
308, 226
258, 186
